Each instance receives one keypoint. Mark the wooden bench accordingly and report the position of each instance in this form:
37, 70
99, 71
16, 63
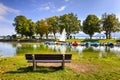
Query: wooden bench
48, 58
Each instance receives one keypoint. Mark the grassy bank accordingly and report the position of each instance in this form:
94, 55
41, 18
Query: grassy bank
94, 40
81, 68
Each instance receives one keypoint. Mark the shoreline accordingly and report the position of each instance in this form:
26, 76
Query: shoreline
28, 40
115, 41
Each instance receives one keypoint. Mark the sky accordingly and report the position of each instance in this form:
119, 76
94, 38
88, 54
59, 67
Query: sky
41, 9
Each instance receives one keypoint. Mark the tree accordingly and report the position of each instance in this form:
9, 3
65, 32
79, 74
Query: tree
24, 26
91, 25
110, 24
20, 23
70, 22
42, 28
53, 23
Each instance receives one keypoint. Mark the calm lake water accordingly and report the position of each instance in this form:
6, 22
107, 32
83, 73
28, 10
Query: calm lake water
13, 49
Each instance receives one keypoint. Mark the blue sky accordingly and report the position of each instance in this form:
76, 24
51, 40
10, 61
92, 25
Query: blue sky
40, 9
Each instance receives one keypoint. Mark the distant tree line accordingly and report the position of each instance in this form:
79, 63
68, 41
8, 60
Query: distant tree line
26, 27
70, 22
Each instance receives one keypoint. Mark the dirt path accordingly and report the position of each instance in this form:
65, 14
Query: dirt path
83, 67
77, 67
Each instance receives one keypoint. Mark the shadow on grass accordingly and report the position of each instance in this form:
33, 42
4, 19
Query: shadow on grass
40, 69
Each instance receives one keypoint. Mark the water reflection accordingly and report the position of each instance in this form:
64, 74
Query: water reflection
12, 49
6, 49
100, 51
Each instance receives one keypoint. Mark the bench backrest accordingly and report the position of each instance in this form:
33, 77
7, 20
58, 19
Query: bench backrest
48, 56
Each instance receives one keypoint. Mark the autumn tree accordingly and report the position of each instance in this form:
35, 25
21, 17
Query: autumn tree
42, 28
30, 28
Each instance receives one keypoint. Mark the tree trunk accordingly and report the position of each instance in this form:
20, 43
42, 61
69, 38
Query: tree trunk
54, 35
90, 36
46, 35
41, 36
106, 35
21, 35
68, 35
109, 35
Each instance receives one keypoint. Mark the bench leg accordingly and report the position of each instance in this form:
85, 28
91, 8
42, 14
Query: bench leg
63, 64
34, 63
34, 66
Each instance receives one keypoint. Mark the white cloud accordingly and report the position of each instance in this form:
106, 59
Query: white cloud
61, 8
3, 19
118, 16
50, 6
47, 6
5, 10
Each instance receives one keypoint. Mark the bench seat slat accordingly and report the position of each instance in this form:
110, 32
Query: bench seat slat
50, 61
48, 56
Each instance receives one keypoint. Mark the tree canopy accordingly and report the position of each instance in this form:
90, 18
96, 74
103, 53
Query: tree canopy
24, 26
91, 25
70, 22
42, 28
53, 24
20, 23
110, 24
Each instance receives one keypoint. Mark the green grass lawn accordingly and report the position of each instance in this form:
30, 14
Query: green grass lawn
87, 67
81, 68
94, 40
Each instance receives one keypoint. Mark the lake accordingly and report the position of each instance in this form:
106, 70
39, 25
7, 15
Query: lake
14, 49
